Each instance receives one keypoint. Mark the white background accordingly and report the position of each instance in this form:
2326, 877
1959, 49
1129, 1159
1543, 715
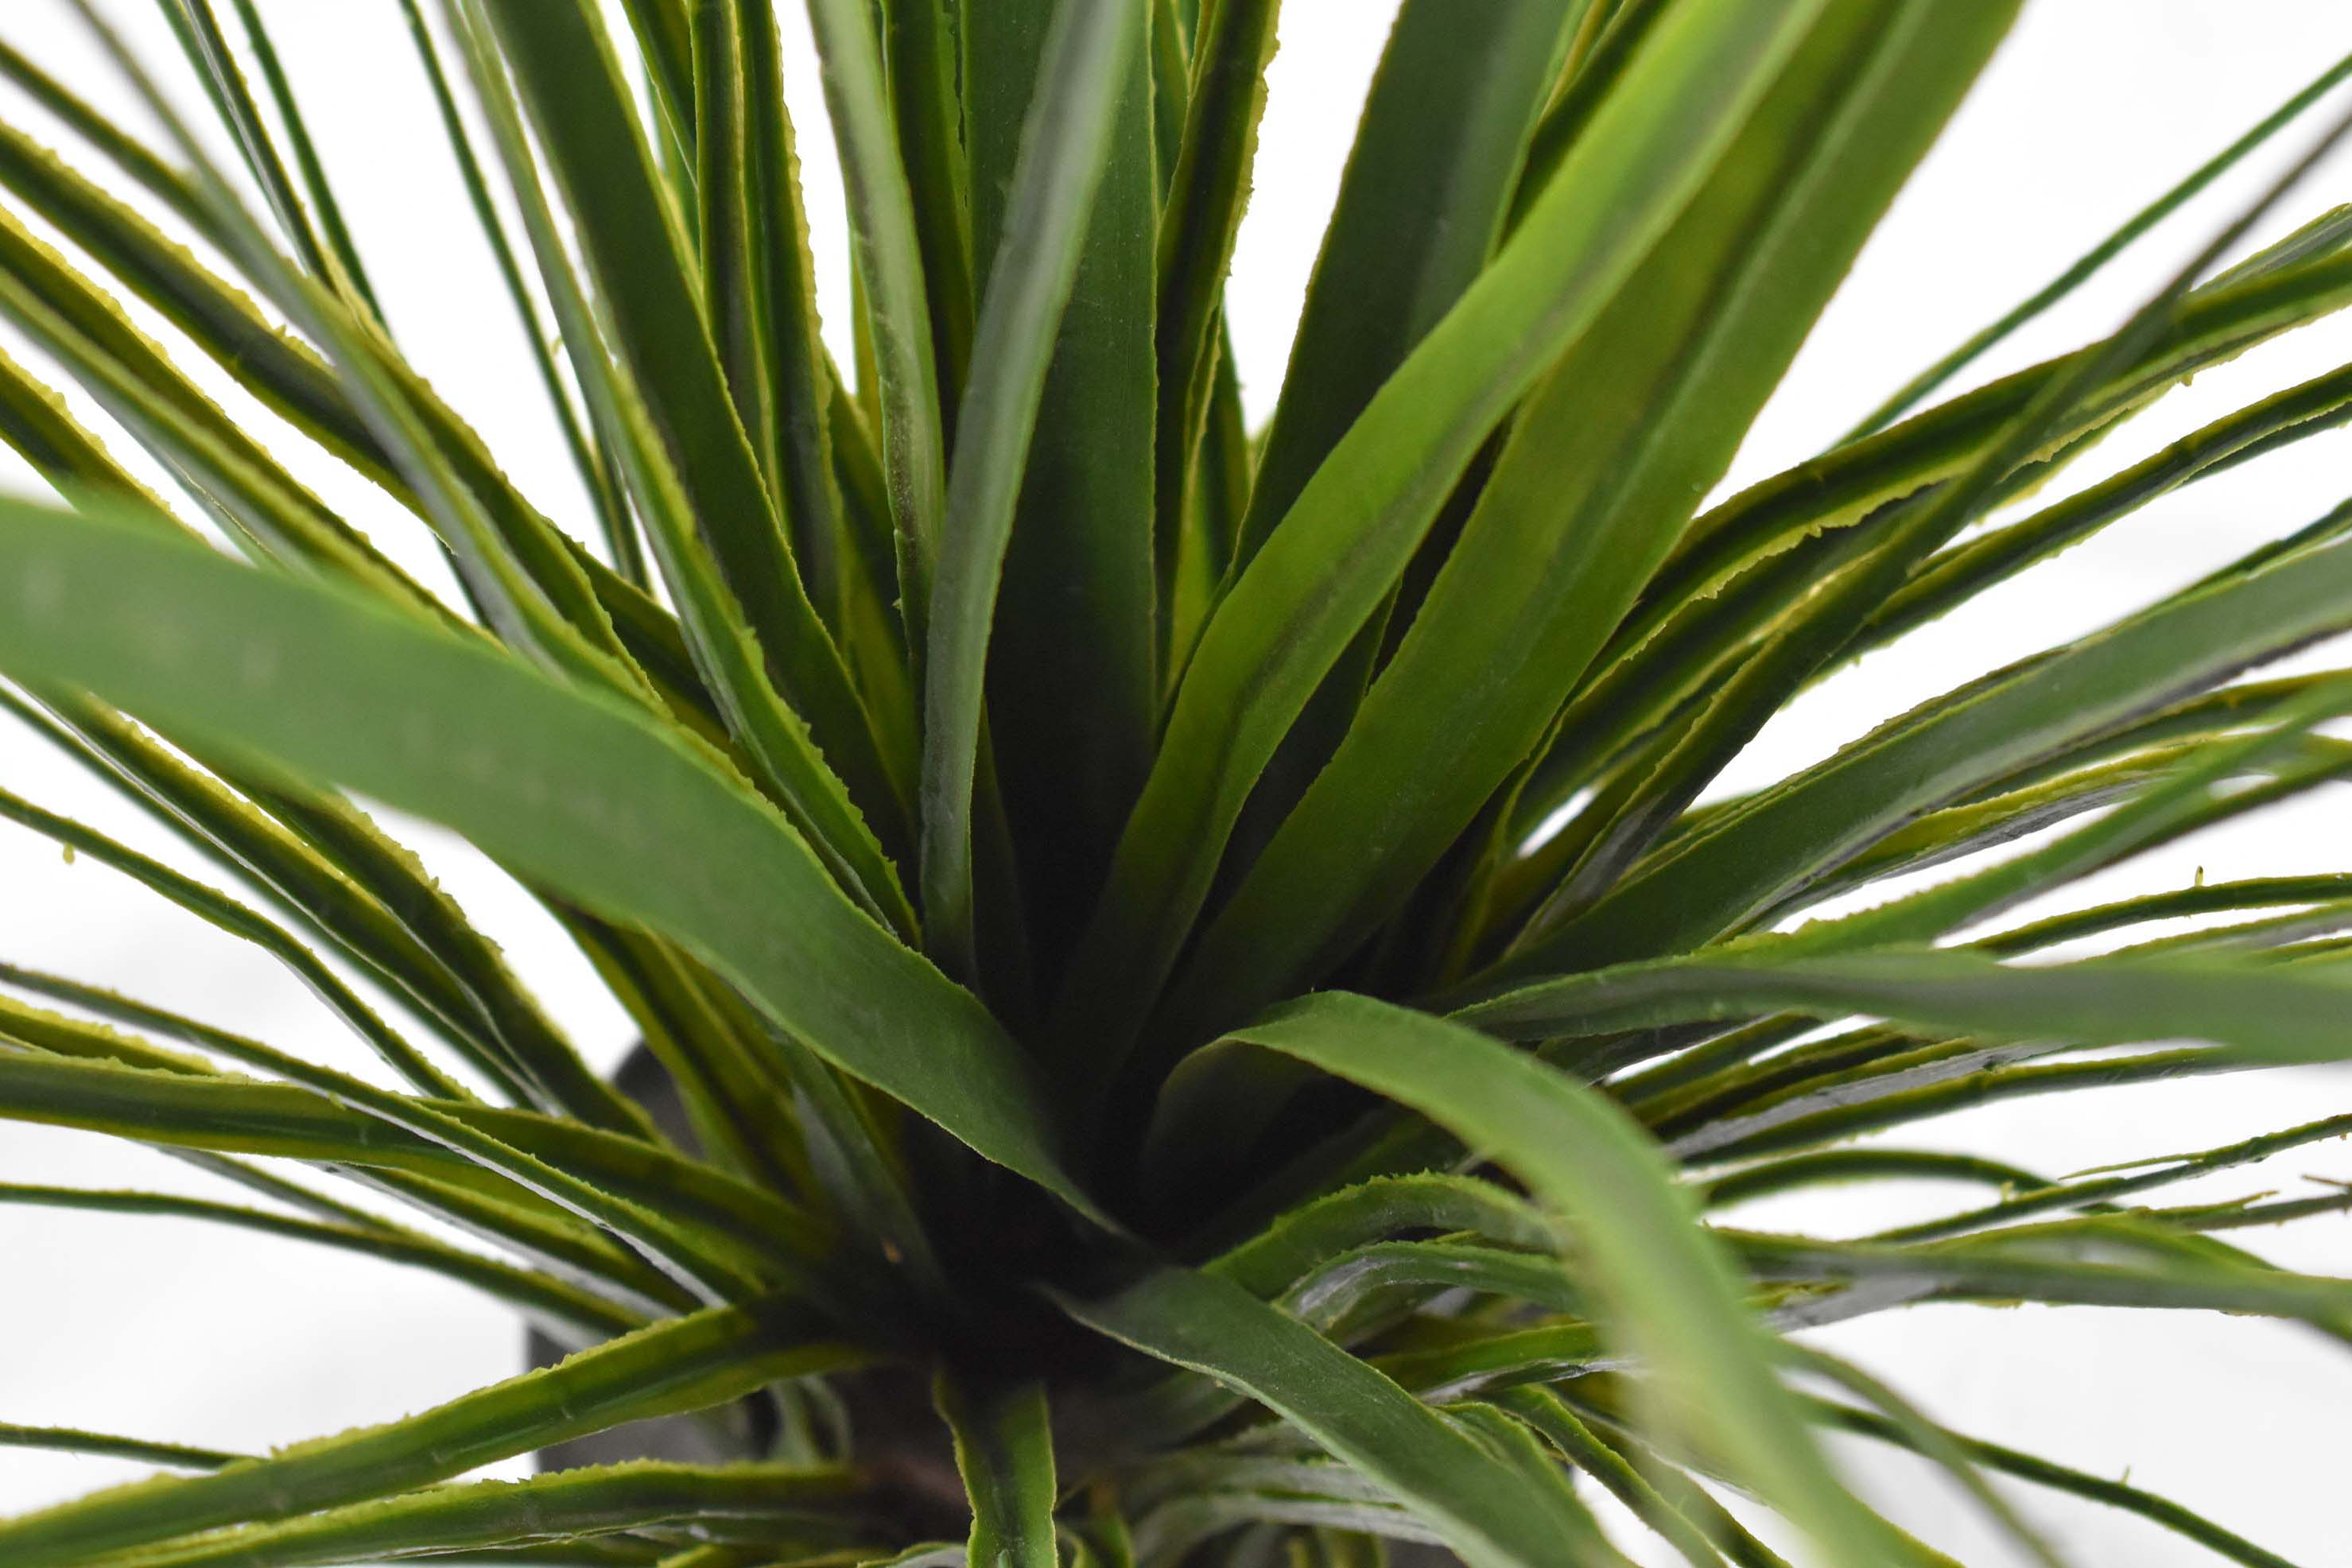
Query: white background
166, 1329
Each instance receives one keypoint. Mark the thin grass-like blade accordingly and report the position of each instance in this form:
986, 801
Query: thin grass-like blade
2120, 1495
67, 1440
349, 273
596, 475
574, 1310
220, 911
1786, 838
2090, 262
1548, 1414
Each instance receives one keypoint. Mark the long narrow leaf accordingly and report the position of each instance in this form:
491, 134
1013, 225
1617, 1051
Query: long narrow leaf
1064, 149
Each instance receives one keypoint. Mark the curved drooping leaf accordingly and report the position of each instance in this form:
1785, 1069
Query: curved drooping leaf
1489, 1511
2042, 1472
1930, 1442
1822, 624
1548, 1414
1670, 1295
580, 791
175, 1100
1314, 1233
1853, 484
2093, 1188
227, 915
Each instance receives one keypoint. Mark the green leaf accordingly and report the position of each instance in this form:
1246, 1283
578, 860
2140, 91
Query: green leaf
888, 263
192, 1106
1315, 1233
1643, 413
596, 475
582, 793
66, 1440
347, 273
801, 388
1550, 1415
2309, 409
1772, 847
1356, 524
1004, 1452
690, 1364
1931, 1442
208, 53
1073, 693
790, 767
1420, 209
1669, 1294
2264, 1012
774, 1503
1487, 1509
2084, 267
1065, 148
2042, 1472
575, 1311
955, 213
1199, 217
226, 914
568, 80
1852, 484
127, 153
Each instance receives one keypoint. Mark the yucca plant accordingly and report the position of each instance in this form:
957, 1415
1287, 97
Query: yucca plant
1215, 1015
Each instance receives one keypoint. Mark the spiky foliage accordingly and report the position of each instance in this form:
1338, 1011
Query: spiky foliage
1210, 1013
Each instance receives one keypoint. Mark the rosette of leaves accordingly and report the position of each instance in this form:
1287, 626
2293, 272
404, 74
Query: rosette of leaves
1214, 1014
